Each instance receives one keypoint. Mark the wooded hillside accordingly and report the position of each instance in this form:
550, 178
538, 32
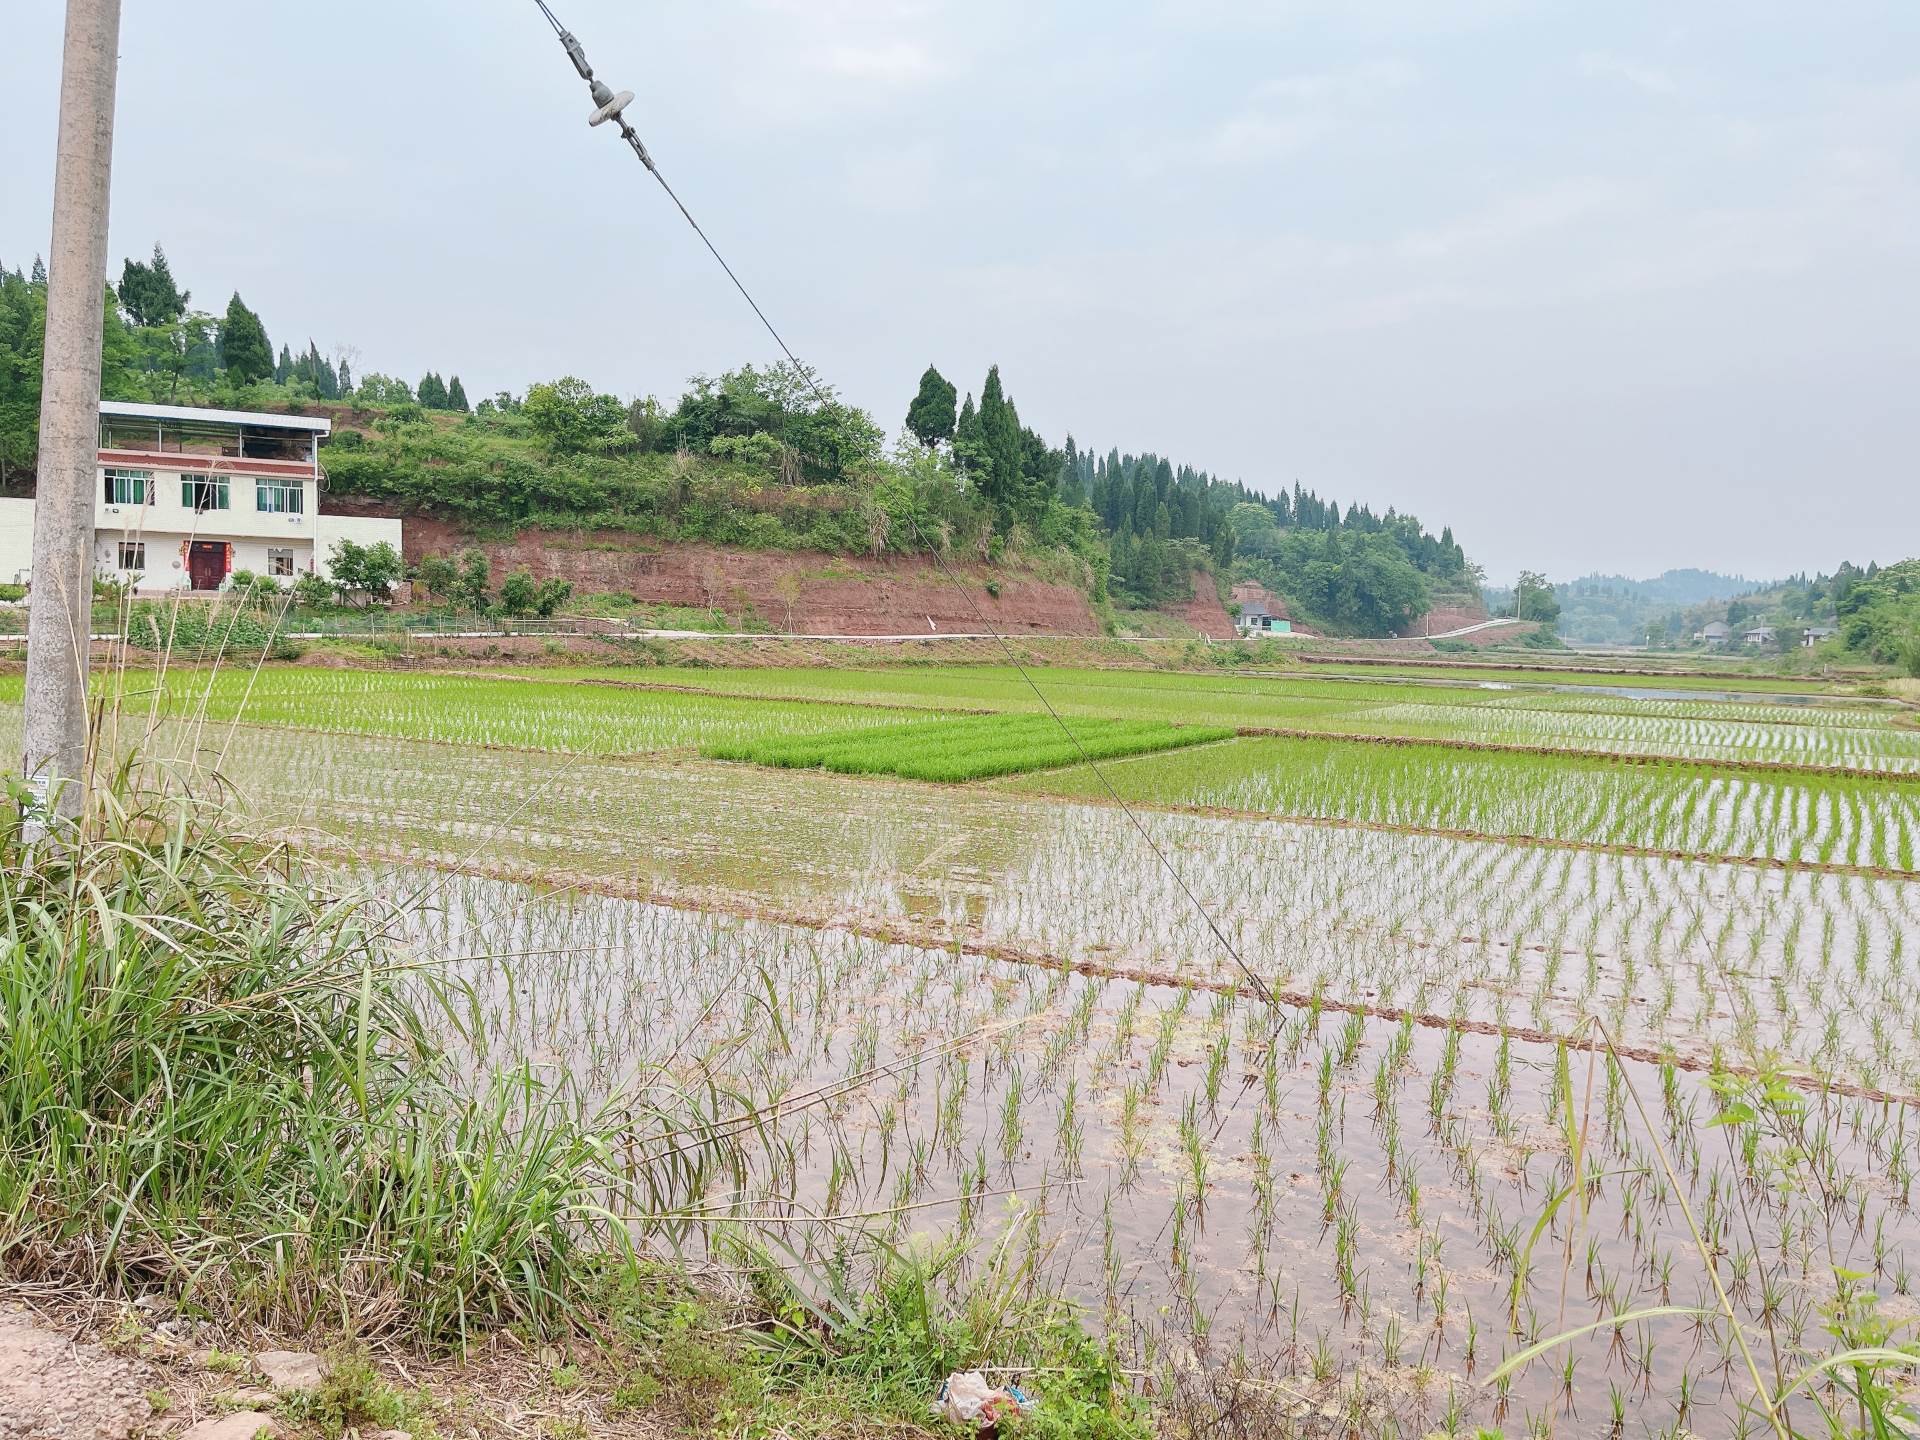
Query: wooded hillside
766, 458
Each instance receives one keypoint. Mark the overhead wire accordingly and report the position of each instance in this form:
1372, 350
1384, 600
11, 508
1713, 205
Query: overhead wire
807, 375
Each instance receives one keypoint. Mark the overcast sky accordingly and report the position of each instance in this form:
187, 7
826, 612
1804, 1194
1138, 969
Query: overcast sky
1605, 287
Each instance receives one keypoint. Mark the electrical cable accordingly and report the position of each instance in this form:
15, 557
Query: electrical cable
1260, 987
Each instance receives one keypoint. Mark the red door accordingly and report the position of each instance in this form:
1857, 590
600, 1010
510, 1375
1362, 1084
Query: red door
207, 564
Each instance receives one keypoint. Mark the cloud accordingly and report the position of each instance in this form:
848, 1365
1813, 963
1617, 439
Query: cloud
1645, 78
891, 63
1287, 114
1362, 84
1515, 218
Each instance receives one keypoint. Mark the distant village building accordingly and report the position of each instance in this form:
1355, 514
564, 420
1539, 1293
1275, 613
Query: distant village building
1760, 635
1717, 633
185, 496
1261, 611
1814, 634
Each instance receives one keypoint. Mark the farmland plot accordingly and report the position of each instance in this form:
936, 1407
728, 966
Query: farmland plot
1326, 1152
1673, 954
1831, 736
468, 710
1692, 809
1325, 1194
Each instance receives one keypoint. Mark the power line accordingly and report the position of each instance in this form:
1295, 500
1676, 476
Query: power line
612, 106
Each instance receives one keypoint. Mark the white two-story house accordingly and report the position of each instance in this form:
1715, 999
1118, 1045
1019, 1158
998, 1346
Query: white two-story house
187, 496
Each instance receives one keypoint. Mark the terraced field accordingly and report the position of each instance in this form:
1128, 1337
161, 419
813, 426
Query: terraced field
1291, 1065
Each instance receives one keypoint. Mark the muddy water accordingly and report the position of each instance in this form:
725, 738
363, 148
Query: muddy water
1672, 954
1324, 1192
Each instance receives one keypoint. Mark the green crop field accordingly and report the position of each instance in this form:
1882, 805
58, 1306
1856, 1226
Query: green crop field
1694, 809
1833, 736
531, 712
969, 748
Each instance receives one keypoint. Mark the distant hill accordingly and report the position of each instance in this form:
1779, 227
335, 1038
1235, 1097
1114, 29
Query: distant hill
1615, 610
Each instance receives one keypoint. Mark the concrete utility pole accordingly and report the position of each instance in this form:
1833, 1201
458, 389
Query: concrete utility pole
60, 618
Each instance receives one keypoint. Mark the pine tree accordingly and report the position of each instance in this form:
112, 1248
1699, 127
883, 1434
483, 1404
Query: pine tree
346, 380
457, 396
39, 276
244, 351
432, 392
283, 367
930, 417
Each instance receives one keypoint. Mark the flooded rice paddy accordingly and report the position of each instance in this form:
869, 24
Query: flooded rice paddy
1344, 1155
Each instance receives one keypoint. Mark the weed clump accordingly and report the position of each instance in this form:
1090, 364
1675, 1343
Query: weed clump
216, 1082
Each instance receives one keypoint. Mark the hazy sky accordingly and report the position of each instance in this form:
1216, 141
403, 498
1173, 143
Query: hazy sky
1613, 287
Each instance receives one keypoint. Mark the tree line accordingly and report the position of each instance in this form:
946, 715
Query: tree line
968, 470
1344, 569
156, 347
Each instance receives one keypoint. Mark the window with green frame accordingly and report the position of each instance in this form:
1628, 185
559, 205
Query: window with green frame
279, 497
127, 487
201, 494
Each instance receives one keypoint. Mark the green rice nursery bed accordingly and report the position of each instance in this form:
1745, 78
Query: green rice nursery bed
971, 747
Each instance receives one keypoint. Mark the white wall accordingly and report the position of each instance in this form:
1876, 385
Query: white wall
16, 540
166, 567
241, 518
163, 546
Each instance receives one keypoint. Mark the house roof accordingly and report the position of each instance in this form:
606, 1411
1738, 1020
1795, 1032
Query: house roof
260, 419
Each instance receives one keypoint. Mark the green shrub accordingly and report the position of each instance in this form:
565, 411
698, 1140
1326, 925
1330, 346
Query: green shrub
13, 592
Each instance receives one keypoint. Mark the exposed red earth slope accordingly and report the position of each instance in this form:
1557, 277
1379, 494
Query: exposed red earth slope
806, 592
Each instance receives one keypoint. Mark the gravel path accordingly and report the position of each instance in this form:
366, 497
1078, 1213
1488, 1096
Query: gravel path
53, 1388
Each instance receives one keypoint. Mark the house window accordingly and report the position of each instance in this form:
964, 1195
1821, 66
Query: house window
127, 487
133, 555
280, 562
279, 497
201, 496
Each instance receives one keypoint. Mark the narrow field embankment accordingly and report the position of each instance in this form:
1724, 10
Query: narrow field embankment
901, 932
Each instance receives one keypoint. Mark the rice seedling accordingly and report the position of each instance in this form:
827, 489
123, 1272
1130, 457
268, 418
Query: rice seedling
969, 748
1038, 1009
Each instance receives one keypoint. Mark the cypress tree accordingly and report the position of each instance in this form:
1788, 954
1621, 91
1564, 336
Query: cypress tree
456, 396
432, 392
966, 435
1000, 444
930, 416
244, 350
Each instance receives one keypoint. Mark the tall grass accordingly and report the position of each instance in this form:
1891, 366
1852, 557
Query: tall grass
216, 1082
